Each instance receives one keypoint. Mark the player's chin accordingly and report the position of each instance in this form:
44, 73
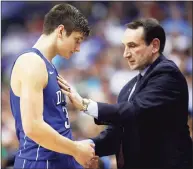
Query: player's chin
68, 56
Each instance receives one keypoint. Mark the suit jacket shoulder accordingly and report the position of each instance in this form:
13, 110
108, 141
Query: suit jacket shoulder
165, 66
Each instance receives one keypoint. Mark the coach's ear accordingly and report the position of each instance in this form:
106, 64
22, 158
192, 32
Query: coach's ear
156, 45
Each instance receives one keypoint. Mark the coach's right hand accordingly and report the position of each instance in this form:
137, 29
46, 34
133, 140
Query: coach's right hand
85, 152
72, 94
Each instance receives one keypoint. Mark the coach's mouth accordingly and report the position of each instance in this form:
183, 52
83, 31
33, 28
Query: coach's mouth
131, 61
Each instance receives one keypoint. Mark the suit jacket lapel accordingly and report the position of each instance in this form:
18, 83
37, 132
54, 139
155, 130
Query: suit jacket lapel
145, 77
124, 95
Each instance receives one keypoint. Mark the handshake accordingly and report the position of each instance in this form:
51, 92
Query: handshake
86, 154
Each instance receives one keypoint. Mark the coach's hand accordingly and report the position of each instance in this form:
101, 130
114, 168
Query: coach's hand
85, 152
74, 97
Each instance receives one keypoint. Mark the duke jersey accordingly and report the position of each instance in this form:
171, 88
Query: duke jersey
54, 113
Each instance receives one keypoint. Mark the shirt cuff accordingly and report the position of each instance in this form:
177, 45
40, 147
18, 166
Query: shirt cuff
92, 109
90, 141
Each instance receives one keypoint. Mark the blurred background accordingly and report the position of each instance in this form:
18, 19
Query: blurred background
99, 70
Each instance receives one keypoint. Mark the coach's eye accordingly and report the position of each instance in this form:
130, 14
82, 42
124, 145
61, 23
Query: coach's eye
132, 46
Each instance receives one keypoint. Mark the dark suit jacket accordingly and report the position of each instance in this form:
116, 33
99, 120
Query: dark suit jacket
152, 126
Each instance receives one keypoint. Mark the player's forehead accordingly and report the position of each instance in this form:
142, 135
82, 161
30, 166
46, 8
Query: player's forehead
133, 35
78, 35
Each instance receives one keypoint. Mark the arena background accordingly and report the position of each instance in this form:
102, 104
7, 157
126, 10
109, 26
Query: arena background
99, 70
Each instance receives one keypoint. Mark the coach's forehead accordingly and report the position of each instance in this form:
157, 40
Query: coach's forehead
133, 35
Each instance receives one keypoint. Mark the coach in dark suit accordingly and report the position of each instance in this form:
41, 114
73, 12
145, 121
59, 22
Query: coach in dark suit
148, 126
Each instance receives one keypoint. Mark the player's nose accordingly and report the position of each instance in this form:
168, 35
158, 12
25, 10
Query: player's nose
77, 49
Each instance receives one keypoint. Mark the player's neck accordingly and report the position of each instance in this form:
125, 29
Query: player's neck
45, 45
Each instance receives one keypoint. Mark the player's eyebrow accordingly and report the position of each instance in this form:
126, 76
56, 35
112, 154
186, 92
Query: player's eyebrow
79, 38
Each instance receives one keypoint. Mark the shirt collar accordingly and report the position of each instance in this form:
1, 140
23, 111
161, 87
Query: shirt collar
142, 72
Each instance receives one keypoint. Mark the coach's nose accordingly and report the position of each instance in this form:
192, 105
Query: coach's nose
127, 53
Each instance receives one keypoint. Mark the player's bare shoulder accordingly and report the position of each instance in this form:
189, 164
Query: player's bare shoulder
30, 68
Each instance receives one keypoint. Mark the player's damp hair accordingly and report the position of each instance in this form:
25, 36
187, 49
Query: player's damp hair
67, 15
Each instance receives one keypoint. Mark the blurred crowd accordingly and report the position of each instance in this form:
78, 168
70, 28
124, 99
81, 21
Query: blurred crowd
99, 70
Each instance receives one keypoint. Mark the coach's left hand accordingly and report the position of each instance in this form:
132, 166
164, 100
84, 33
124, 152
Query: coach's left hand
74, 97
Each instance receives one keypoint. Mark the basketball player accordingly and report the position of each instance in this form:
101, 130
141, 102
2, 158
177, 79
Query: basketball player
37, 103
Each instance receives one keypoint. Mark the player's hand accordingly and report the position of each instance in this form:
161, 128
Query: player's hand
85, 152
74, 97
93, 163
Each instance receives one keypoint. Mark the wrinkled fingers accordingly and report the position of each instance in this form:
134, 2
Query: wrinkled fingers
63, 86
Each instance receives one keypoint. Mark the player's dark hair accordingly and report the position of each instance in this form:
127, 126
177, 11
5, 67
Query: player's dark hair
152, 29
67, 15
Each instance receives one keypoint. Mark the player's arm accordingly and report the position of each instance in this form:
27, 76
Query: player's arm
34, 79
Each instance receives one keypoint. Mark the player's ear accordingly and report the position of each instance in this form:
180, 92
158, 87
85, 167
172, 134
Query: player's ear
61, 31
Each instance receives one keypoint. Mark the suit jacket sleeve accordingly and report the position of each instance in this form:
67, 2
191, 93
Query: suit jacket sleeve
163, 91
108, 141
